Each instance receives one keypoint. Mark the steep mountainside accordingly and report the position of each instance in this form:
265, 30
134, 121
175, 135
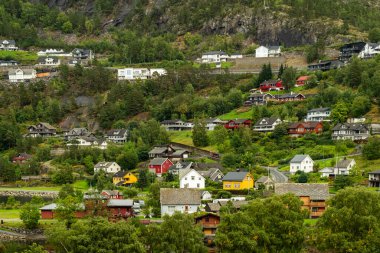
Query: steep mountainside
269, 22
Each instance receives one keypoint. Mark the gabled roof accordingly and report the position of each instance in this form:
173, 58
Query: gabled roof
351, 126
54, 206
344, 163
266, 121
235, 176
176, 196
307, 125
264, 179
157, 161
175, 121
272, 81
25, 71
327, 170
184, 172
261, 95
289, 95
43, 59
299, 158
47, 125
215, 53
120, 174
120, 202
207, 215
377, 172
240, 121
158, 150
102, 165
274, 48
314, 191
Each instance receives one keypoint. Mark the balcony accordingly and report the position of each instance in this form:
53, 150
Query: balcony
316, 214
317, 204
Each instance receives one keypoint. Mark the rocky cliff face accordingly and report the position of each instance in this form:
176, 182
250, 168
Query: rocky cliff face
262, 26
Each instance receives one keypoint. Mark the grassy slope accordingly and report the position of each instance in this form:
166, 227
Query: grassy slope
185, 137
9, 213
79, 185
20, 56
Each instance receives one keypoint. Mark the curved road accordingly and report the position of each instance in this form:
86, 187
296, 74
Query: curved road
276, 175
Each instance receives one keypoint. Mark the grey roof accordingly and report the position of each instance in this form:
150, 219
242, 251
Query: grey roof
274, 47
212, 173
213, 207
157, 161
374, 172
314, 191
266, 121
120, 202
10, 42
298, 158
120, 174
78, 131
25, 71
344, 163
179, 152
103, 164
117, 132
49, 207
183, 173
351, 126
112, 192
289, 95
324, 109
176, 196
180, 165
158, 150
235, 176
170, 121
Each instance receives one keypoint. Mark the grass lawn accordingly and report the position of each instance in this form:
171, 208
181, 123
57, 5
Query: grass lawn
9, 213
237, 114
185, 137
20, 56
310, 222
79, 185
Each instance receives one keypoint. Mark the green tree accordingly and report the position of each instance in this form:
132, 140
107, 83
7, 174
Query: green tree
339, 113
374, 35
351, 223
354, 73
35, 248
30, 215
371, 150
360, 106
200, 137
67, 27
248, 230
280, 130
302, 177
128, 160
342, 181
143, 181
289, 77
66, 209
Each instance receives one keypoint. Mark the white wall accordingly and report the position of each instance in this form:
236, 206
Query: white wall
261, 52
170, 209
192, 180
306, 166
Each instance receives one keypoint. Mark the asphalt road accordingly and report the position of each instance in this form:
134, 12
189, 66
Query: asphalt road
276, 175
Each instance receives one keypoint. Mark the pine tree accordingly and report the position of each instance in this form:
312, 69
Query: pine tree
280, 71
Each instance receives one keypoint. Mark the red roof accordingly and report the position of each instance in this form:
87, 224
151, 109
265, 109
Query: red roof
303, 78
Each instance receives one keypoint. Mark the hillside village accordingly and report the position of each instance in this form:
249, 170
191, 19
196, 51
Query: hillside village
262, 147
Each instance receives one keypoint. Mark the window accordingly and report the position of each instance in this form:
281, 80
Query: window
171, 208
314, 209
237, 185
198, 185
185, 178
192, 177
227, 185
207, 219
200, 178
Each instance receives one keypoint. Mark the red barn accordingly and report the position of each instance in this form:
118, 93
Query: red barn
302, 80
48, 211
271, 85
160, 165
120, 208
21, 158
112, 194
301, 128
233, 124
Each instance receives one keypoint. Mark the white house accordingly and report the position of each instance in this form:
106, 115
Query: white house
176, 125
206, 195
179, 200
301, 163
262, 52
21, 75
117, 135
88, 141
8, 63
190, 178
214, 57
318, 114
212, 123
54, 52
49, 61
139, 73
108, 167
370, 50
343, 167
8, 45
267, 124
271, 51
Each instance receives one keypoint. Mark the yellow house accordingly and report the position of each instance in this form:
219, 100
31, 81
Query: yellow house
238, 181
124, 178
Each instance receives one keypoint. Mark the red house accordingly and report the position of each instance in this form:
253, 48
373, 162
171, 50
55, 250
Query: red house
233, 124
160, 165
301, 128
271, 85
120, 208
302, 80
48, 211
